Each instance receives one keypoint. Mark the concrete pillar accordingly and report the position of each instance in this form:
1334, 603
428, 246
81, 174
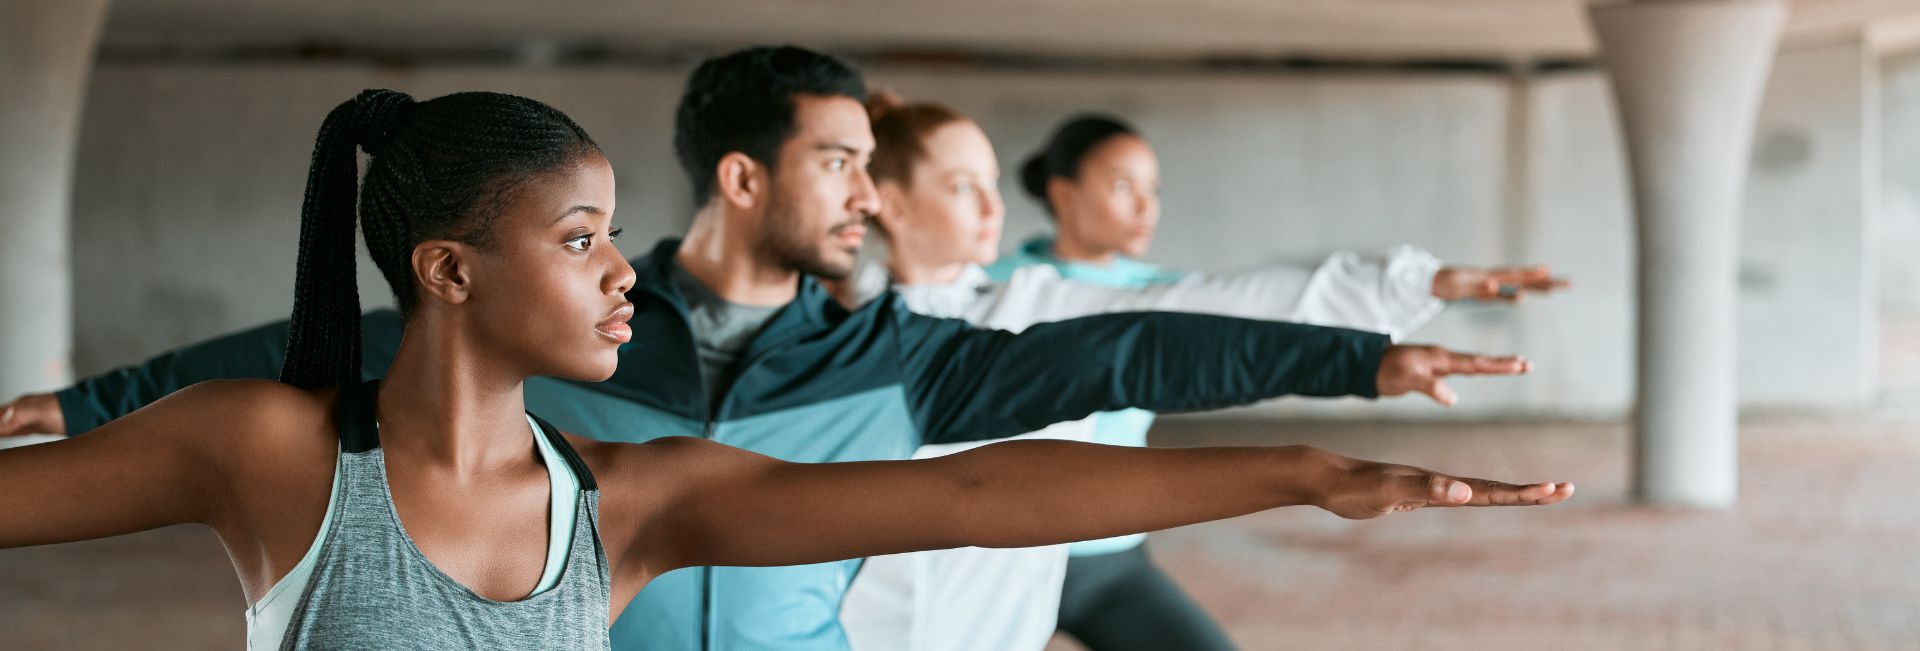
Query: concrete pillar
1687, 76
46, 52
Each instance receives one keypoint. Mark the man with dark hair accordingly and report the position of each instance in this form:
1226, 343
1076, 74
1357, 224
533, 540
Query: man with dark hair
736, 342
724, 112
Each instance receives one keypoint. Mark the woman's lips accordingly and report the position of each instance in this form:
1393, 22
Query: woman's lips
615, 326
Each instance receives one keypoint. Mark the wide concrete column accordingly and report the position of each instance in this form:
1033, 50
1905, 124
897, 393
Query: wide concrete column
1687, 77
46, 53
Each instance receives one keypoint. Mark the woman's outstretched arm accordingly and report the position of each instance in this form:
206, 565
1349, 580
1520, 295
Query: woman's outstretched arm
717, 505
159, 466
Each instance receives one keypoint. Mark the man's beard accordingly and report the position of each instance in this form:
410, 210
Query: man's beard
782, 243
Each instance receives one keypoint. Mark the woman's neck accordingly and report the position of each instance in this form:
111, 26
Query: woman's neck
1071, 249
907, 271
445, 402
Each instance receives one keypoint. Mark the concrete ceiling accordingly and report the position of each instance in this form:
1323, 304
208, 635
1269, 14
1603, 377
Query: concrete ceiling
1133, 29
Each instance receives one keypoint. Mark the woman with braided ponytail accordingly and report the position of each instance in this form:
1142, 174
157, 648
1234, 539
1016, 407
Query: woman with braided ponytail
429, 510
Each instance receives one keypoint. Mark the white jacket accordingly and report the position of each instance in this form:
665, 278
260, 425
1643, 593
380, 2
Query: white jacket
971, 598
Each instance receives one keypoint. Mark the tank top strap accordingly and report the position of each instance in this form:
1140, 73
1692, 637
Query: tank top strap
359, 432
572, 457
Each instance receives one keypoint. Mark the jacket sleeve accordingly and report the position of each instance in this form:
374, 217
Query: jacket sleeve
1269, 293
253, 353
1391, 295
971, 384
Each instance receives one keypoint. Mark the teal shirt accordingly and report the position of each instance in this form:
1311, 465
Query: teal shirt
1126, 427
1123, 272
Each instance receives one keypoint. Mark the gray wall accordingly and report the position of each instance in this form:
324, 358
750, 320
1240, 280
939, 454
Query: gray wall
1900, 210
190, 177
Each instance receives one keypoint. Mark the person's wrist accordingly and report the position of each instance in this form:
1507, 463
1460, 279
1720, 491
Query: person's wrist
1450, 284
1316, 476
41, 412
56, 419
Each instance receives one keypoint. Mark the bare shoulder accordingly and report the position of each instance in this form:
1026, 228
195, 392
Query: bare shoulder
643, 485
635, 465
641, 478
251, 398
259, 425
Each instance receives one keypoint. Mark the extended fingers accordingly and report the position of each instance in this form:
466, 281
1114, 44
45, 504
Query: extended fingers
1439, 390
1470, 364
1536, 278
1497, 493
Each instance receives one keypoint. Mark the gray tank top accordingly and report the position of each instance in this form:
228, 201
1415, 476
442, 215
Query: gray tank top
373, 589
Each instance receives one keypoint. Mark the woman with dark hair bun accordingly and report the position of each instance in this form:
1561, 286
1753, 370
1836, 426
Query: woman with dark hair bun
1099, 181
429, 510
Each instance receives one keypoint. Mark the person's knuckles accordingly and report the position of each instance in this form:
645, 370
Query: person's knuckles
1433, 488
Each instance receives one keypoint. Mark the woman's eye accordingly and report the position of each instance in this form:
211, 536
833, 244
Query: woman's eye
615, 233
581, 243
963, 188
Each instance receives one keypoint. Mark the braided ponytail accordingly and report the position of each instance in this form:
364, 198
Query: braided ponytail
323, 340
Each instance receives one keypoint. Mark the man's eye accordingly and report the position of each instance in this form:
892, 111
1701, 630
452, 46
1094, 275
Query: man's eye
837, 164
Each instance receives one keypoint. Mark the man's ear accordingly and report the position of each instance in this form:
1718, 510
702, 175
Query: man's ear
442, 270
740, 180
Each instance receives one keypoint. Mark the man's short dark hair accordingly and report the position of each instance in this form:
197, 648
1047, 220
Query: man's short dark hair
744, 102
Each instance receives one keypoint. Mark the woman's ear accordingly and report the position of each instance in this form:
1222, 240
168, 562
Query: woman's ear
1059, 192
892, 216
740, 180
441, 267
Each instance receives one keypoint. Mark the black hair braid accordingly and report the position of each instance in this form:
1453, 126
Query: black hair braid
441, 169
323, 338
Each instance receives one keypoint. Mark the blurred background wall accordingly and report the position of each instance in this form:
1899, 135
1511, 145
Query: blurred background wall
189, 174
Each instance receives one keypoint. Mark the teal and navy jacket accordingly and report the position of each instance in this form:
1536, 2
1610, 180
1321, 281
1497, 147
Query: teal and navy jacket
822, 383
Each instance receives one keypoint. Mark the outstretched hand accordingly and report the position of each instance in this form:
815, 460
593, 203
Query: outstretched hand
1370, 490
1501, 285
33, 413
1407, 369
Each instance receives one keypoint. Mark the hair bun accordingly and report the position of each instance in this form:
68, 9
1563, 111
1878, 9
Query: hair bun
1034, 176
378, 113
881, 102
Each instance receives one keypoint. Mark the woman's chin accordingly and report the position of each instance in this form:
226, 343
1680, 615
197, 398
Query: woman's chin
596, 371
986, 255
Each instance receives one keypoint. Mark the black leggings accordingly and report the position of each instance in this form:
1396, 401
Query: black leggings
1123, 602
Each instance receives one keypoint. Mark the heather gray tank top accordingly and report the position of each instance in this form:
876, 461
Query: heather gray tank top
373, 589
